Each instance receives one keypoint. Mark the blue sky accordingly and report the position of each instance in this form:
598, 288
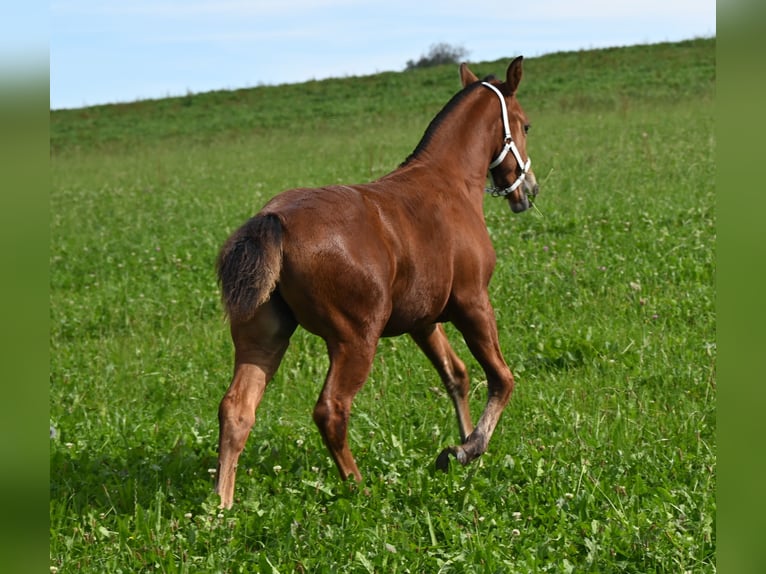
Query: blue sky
108, 51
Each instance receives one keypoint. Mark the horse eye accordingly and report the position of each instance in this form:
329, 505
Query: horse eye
526, 128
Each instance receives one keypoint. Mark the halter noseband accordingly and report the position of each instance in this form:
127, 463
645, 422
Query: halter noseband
508, 145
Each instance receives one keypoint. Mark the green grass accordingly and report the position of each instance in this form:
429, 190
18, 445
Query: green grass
605, 459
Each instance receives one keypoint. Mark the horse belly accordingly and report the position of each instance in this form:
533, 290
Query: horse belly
417, 307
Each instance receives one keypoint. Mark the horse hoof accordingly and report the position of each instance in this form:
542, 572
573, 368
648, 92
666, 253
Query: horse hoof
442, 461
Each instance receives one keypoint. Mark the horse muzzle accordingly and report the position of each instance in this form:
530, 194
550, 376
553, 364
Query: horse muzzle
524, 196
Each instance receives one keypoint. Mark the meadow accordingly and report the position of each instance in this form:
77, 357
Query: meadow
605, 458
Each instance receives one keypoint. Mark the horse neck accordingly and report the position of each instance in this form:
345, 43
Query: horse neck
460, 141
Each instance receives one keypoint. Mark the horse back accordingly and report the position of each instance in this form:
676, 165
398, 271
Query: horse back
387, 259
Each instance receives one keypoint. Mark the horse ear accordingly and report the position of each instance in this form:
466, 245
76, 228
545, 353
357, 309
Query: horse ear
513, 75
467, 76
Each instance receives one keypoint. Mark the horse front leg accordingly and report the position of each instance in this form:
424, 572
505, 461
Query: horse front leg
435, 345
479, 328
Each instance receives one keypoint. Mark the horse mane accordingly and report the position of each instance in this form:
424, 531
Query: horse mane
439, 119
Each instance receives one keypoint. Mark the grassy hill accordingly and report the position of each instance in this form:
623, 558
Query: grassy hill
605, 459
589, 80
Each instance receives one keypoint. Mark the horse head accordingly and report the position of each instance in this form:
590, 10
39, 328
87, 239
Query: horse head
511, 173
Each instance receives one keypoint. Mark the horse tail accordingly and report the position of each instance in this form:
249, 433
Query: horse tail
249, 265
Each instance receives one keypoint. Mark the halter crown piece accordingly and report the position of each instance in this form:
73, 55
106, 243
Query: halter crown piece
508, 145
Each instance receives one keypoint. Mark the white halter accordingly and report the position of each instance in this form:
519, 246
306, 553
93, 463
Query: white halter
509, 145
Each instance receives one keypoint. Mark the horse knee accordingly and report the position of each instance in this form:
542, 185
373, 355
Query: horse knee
502, 387
460, 379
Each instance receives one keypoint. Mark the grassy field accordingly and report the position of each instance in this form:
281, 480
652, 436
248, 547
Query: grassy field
605, 459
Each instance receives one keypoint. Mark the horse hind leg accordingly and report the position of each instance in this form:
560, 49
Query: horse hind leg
435, 345
259, 344
350, 365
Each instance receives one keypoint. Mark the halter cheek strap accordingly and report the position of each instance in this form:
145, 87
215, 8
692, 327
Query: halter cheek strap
508, 145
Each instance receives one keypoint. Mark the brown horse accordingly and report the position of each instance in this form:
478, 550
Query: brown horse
352, 264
